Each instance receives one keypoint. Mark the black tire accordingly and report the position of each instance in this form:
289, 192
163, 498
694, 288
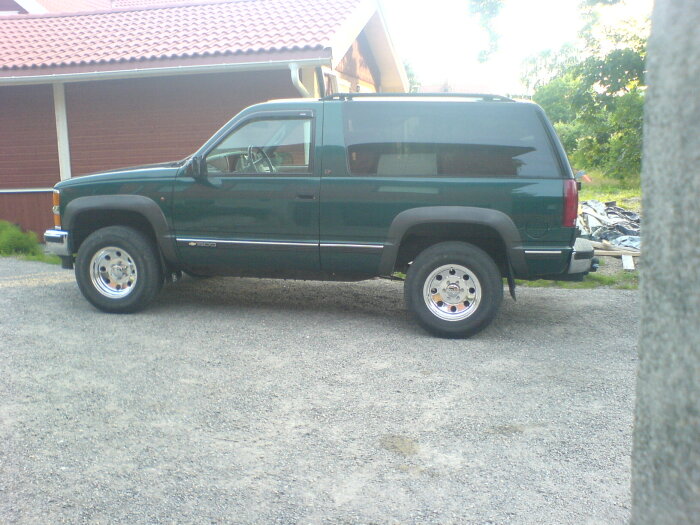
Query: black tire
467, 286
118, 269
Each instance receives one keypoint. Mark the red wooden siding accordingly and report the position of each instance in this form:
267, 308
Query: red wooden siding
120, 123
32, 211
28, 151
114, 124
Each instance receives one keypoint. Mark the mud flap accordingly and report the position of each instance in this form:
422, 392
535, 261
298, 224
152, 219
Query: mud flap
511, 280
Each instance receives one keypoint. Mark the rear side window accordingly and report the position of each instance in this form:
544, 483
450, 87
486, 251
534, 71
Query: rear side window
461, 139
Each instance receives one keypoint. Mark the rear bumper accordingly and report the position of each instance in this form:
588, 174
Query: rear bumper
560, 263
57, 242
581, 257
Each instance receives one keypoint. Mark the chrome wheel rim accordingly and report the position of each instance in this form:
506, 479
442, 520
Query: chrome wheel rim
113, 272
452, 292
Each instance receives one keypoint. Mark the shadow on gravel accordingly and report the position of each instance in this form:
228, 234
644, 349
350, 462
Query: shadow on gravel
375, 304
369, 297
378, 300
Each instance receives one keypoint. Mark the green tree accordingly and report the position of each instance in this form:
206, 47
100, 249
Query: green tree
558, 97
596, 102
547, 65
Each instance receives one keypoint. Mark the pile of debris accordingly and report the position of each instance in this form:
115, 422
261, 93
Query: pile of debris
612, 230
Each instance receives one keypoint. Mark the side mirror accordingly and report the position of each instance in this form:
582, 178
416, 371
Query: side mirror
198, 167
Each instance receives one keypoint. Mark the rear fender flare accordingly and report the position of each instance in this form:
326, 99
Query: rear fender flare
495, 219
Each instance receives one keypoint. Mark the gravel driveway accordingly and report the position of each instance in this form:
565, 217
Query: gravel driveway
253, 401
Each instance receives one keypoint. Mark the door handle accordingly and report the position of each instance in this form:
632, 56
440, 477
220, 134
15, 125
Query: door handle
306, 196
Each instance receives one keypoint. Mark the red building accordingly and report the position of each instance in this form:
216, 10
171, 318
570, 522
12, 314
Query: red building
125, 82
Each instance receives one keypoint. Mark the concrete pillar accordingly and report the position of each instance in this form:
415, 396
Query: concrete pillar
666, 451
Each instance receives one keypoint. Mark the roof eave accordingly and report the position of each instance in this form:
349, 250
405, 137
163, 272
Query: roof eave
369, 18
171, 70
394, 76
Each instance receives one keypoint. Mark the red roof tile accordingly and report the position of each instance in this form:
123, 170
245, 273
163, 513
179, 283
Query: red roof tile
71, 6
165, 32
74, 6
151, 3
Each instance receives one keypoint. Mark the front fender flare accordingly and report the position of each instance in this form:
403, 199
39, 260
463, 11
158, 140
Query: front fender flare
139, 204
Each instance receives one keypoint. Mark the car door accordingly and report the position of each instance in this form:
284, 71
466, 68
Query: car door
253, 209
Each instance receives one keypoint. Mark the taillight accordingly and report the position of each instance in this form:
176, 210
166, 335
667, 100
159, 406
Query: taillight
570, 204
56, 209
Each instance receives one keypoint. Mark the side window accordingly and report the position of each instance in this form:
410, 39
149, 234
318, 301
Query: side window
264, 146
450, 139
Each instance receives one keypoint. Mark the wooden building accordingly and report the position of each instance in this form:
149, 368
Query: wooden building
129, 82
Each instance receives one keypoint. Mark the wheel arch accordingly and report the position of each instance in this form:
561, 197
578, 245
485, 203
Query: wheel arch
85, 215
415, 229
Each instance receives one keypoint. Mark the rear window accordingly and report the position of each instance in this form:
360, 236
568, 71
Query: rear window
461, 139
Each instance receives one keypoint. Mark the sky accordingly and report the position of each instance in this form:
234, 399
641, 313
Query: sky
441, 40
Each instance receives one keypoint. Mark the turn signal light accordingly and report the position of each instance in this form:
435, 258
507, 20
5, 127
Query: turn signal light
56, 209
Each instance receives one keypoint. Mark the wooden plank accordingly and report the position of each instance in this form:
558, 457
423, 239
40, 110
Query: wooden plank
627, 262
616, 253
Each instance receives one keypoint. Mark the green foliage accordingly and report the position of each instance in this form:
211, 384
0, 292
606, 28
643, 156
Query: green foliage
597, 109
547, 65
617, 72
24, 245
596, 98
558, 98
14, 241
569, 133
626, 193
622, 281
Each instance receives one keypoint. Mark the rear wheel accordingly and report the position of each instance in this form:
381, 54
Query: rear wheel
118, 269
453, 289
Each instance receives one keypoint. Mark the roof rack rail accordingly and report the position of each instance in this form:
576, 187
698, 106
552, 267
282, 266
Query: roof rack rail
478, 96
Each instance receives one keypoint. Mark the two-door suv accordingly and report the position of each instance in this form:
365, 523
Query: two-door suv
457, 192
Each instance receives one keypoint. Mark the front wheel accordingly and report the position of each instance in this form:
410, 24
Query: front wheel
118, 269
453, 289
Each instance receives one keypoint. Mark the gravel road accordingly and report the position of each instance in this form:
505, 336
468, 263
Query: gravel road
253, 401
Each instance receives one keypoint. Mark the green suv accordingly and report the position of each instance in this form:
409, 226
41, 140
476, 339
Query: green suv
455, 192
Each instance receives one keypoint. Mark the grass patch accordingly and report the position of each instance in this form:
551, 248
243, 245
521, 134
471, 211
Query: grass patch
627, 195
17, 243
620, 281
44, 257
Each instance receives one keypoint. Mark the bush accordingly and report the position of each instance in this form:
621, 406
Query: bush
569, 134
597, 108
13, 241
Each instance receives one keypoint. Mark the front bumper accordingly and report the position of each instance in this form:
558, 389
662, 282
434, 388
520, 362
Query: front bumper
58, 242
581, 257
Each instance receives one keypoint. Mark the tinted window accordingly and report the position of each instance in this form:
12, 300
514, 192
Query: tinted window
264, 146
449, 139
